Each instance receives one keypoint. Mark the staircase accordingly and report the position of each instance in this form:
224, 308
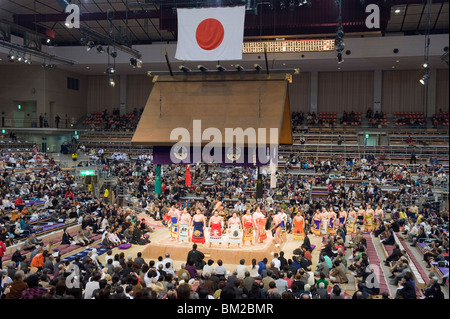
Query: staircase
375, 261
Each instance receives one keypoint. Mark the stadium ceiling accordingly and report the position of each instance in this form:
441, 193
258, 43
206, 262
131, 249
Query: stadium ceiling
149, 21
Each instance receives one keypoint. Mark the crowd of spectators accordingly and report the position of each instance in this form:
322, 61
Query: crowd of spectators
351, 118
113, 121
34, 176
440, 118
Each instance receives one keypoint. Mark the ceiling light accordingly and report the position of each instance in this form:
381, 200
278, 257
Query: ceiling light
424, 79
184, 68
110, 70
48, 66
339, 45
90, 45
397, 11
112, 83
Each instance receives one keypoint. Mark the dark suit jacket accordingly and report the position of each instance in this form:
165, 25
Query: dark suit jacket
396, 254
66, 239
197, 257
390, 240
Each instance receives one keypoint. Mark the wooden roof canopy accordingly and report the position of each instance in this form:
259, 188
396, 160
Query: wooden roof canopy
220, 100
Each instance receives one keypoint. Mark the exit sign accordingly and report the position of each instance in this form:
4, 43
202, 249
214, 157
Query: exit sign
89, 172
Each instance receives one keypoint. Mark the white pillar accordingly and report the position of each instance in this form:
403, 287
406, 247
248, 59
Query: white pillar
123, 94
377, 90
430, 94
314, 88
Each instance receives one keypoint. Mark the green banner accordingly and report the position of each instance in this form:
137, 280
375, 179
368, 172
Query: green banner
158, 180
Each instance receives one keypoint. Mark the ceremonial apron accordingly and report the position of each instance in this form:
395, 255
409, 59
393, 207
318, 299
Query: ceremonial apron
324, 226
261, 222
184, 232
174, 227
331, 226
197, 235
369, 224
248, 230
350, 224
377, 221
215, 235
316, 227
341, 221
298, 232
235, 236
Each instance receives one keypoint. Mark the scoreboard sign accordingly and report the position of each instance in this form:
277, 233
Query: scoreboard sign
288, 46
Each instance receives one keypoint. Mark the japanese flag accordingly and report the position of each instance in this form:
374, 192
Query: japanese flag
210, 34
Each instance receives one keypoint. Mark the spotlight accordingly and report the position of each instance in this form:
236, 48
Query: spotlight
112, 83
114, 54
110, 70
239, 67
291, 5
340, 33
202, 68
135, 63
271, 5
48, 66
339, 58
339, 45
220, 68
90, 45
282, 5
425, 65
82, 41
184, 69
11, 57
100, 49
257, 67
307, 2
19, 59
424, 79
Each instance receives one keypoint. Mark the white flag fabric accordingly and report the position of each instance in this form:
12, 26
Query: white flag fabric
210, 34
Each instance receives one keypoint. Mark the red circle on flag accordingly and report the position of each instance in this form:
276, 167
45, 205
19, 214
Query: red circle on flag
209, 34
